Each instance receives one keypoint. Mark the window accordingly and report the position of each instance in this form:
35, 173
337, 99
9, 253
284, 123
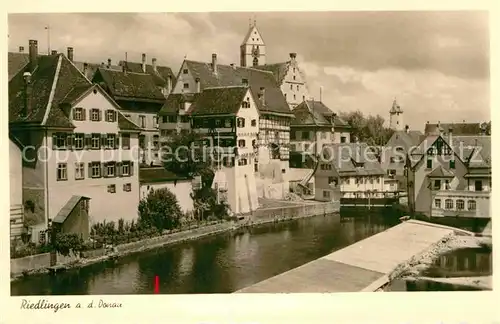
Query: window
185, 71
241, 143
62, 171
471, 205
253, 122
447, 185
127, 187
326, 193
110, 141
156, 141
186, 85
227, 123
110, 115
343, 139
331, 179
142, 121
437, 184
78, 114
448, 204
256, 166
79, 171
112, 188
378, 180
371, 180
95, 169
60, 140
126, 141
125, 169
241, 122
429, 164
109, 169
245, 104
184, 119
142, 141
437, 203
155, 121
79, 141
96, 141
460, 204
292, 135
255, 61
298, 87
347, 180
294, 97
452, 164
242, 162
95, 114
478, 185
305, 135
291, 86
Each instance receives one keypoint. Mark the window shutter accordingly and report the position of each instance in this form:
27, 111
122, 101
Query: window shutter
90, 169
87, 141
106, 117
131, 167
54, 141
103, 141
117, 142
104, 170
84, 114
99, 118
69, 140
119, 169
115, 116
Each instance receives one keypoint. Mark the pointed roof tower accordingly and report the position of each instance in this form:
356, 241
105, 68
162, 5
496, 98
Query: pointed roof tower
253, 36
396, 108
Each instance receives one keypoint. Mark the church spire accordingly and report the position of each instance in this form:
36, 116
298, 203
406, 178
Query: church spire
252, 49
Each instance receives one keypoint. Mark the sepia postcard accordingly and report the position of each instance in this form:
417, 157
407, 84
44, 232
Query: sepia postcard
244, 155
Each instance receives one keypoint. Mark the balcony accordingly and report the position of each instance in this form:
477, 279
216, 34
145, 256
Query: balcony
461, 203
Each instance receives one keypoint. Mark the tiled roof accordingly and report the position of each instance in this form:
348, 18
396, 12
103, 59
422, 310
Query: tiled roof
279, 70
157, 174
232, 76
320, 107
68, 208
126, 124
55, 81
16, 62
457, 128
346, 154
93, 67
308, 114
222, 100
160, 76
339, 122
441, 172
476, 150
128, 85
174, 100
409, 139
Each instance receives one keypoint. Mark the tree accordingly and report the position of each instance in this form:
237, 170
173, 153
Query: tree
184, 155
369, 129
206, 204
160, 210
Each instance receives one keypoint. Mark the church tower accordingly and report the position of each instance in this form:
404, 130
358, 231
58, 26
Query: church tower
396, 117
253, 49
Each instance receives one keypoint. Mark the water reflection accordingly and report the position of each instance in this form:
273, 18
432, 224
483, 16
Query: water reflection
218, 264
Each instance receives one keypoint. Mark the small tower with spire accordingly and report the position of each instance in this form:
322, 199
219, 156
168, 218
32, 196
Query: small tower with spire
253, 48
396, 116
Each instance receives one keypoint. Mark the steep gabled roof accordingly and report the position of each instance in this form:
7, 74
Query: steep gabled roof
279, 70
459, 129
410, 139
129, 85
160, 75
222, 100
308, 113
55, 81
232, 76
16, 62
476, 150
174, 100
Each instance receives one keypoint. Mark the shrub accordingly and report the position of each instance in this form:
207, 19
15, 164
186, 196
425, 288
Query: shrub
160, 210
67, 243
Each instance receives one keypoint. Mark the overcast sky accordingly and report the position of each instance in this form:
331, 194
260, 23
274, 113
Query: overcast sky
435, 63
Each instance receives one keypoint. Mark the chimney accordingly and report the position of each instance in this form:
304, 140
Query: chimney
407, 129
21, 49
244, 81
214, 63
197, 80
85, 68
293, 56
33, 53
27, 94
109, 63
53, 52
450, 135
153, 63
70, 54
143, 63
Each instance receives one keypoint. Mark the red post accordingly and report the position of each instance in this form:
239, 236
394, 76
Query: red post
157, 285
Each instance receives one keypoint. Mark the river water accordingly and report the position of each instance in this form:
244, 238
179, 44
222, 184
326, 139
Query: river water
218, 264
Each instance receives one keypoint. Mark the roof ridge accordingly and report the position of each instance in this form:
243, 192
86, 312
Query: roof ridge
224, 87
52, 90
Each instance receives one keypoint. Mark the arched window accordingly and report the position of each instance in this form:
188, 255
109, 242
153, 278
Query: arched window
448, 204
255, 61
460, 204
254, 122
245, 104
241, 143
241, 122
471, 205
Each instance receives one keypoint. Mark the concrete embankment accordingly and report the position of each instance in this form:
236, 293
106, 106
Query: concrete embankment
364, 266
42, 263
